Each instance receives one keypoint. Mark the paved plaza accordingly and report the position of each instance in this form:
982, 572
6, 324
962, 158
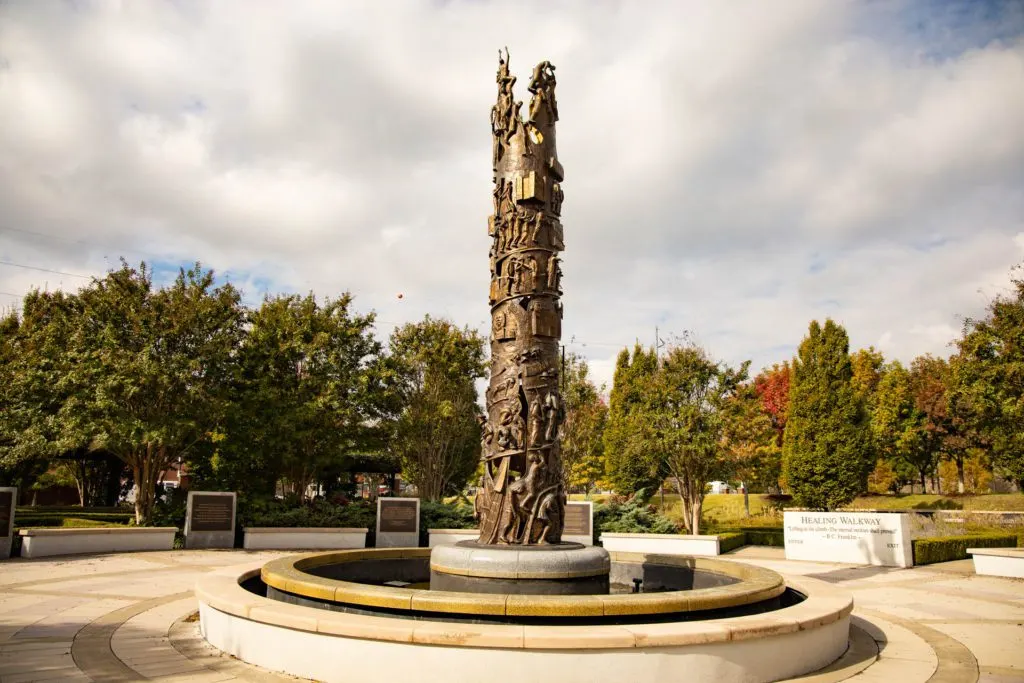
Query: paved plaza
131, 617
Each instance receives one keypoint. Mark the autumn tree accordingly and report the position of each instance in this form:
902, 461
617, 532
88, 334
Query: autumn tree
772, 387
627, 470
942, 430
826, 454
434, 366
582, 431
751, 440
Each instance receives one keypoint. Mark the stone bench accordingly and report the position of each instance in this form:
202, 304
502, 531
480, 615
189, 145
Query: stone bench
1008, 562
49, 542
304, 538
661, 544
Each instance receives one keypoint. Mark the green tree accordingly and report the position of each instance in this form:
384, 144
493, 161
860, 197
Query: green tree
988, 383
629, 471
307, 396
434, 366
582, 431
159, 364
898, 427
826, 453
680, 422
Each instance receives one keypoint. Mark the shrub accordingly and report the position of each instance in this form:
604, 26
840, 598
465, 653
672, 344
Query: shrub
731, 540
769, 536
318, 514
631, 517
444, 516
66, 519
945, 549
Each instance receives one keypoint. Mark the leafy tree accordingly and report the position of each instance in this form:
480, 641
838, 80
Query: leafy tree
751, 440
158, 363
868, 367
308, 395
826, 454
680, 421
437, 436
988, 383
582, 431
898, 429
629, 471
941, 430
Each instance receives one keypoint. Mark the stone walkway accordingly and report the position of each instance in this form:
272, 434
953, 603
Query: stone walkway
130, 617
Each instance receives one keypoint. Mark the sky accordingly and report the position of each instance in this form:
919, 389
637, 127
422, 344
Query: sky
733, 170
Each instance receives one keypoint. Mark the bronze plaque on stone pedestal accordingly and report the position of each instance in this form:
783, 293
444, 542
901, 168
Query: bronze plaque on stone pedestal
577, 520
399, 516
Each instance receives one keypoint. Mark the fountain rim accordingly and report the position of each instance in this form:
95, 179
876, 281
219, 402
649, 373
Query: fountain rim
824, 604
755, 584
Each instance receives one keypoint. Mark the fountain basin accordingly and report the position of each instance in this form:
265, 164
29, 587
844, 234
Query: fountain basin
333, 645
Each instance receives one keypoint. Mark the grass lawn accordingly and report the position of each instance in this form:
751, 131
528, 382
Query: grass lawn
1007, 502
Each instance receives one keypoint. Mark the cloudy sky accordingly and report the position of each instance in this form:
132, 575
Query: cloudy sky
733, 169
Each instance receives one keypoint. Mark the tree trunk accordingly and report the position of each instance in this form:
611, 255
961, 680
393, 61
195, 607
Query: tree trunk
960, 475
696, 506
923, 487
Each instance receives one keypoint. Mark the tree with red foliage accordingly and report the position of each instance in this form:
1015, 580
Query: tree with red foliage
772, 387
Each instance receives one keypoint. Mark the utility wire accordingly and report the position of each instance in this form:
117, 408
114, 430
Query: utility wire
44, 270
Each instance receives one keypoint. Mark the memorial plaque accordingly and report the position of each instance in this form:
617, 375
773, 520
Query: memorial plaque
399, 516
213, 513
6, 510
577, 519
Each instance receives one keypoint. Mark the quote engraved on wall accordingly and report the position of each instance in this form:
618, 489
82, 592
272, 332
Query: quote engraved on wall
398, 516
858, 538
212, 513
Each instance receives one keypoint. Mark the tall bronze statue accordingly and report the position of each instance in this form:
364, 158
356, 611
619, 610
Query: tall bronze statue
522, 501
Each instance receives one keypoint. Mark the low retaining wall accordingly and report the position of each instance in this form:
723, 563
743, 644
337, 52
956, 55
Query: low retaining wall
661, 544
304, 538
450, 536
1007, 562
49, 542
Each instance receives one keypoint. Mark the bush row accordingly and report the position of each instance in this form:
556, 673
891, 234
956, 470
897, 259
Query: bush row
947, 548
731, 540
62, 519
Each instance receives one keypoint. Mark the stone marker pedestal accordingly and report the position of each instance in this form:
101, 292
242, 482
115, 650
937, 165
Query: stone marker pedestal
398, 523
562, 569
210, 519
8, 501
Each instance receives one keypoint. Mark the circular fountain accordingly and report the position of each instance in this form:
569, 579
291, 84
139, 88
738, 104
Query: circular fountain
333, 617
519, 604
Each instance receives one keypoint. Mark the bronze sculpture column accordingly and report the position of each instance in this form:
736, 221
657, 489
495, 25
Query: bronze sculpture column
522, 500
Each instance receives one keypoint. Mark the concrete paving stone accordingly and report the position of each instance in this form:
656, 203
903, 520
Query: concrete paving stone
993, 645
167, 668
896, 670
48, 675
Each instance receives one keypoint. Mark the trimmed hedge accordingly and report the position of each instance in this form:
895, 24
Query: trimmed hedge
948, 548
731, 540
51, 519
759, 535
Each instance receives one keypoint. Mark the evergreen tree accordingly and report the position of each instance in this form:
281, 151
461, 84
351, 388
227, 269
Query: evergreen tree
629, 472
826, 453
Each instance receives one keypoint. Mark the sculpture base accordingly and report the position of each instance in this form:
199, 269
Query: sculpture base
563, 569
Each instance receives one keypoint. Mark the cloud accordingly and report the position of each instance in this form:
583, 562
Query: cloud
732, 169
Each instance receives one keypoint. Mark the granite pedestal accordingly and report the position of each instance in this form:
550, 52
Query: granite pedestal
563, 569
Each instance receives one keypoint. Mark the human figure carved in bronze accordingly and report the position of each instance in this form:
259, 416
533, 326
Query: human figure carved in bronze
522, 496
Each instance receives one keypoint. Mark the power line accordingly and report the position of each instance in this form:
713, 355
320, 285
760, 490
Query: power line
44, 270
